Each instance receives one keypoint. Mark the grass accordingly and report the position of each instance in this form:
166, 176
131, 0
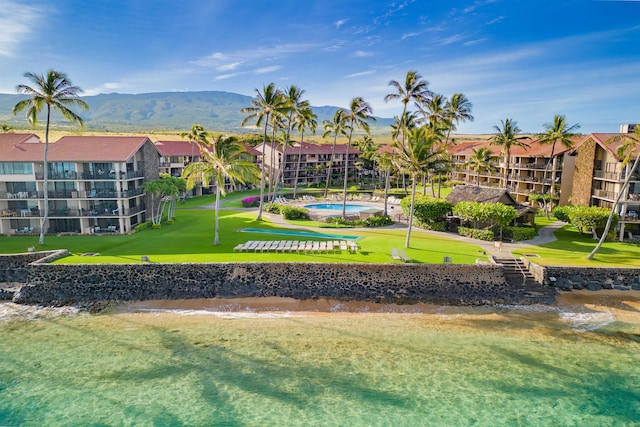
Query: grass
572, 248
190, 239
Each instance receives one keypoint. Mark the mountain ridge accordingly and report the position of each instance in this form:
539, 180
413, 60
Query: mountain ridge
170, 111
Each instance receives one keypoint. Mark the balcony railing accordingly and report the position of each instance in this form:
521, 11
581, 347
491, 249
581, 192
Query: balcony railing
610, 195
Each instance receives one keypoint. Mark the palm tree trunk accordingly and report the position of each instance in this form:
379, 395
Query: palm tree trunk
295, 184
346, 175
216, 241
45, 218
333, 155
544, 180
387, 184
264, 143
413, 200
272, 161
613, 209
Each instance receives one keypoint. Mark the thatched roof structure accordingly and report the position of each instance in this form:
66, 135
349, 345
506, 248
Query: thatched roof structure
473, 193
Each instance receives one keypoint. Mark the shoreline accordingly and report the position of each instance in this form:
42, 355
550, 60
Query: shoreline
620, 301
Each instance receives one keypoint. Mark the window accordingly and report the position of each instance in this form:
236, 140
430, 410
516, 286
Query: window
15, 168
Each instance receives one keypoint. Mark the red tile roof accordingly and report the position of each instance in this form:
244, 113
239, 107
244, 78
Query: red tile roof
534, 149
96, 148
20, 147
310, 148
177, 148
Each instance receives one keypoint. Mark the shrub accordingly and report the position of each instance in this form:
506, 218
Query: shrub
251, 202
561, 213
378, 221
142, 226
587, 218
293, 213
434, 226
476, 234
426, 209
156, 226
272, 208
520, 233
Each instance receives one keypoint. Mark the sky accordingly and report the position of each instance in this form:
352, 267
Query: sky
527, 60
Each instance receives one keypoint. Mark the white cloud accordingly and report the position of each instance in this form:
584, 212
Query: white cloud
227, 76
340, 23
360, 74
253, 56
361, 54
264, 70
17, 22
229, 67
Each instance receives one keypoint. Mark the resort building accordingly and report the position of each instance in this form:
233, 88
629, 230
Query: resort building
599, 176
309, 163
94, 183
526, 170
176, 155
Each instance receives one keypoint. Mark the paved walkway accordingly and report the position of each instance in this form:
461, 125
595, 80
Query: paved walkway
545, 234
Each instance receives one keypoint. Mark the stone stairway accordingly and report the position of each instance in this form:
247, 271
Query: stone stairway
513, 270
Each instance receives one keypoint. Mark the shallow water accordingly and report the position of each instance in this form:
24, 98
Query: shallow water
241, 363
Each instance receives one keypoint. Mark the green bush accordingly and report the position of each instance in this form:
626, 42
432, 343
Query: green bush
142, 226
587, 218
476, 234
433, 226
520, 233
426, 209
378, 221
273, 208
156, 226
561, 213
293, 213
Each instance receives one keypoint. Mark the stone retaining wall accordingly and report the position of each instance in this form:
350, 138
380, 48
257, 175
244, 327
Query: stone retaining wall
592, 278
15, 268
447, 284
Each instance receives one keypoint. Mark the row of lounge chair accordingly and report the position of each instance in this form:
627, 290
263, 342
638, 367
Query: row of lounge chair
399, 255
393, 200
294, 246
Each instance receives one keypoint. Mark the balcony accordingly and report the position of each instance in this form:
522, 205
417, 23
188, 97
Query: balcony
603, 194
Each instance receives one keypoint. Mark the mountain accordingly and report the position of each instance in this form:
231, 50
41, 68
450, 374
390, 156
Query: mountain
171, 111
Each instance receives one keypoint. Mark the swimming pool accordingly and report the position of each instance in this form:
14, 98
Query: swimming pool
337, 207
298, 233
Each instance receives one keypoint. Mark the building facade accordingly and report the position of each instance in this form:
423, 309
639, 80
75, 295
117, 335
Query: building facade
94, 183
309, 163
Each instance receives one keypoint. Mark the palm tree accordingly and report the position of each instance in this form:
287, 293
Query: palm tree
414, 89
305, 119
58, 93
222, 159
5, 128
293, 95
336, 126
415, 157
558, 131
434, 112
359, 116
457, 110
629, 149
268, 101
507, 138
482, 158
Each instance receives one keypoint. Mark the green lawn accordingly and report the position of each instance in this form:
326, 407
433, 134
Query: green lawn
190, 239
571, 248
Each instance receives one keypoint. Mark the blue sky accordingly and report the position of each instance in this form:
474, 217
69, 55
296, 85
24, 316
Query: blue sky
521, 59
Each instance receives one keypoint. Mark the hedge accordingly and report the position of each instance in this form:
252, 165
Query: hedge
476, 234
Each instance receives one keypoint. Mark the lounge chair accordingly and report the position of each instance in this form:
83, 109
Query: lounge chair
394, 254
238, 248
343, 245
404, 257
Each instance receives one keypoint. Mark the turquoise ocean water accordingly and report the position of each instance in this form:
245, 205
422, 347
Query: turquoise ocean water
351, 365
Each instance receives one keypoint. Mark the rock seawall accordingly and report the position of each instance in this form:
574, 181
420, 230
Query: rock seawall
592, 278
450, 284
